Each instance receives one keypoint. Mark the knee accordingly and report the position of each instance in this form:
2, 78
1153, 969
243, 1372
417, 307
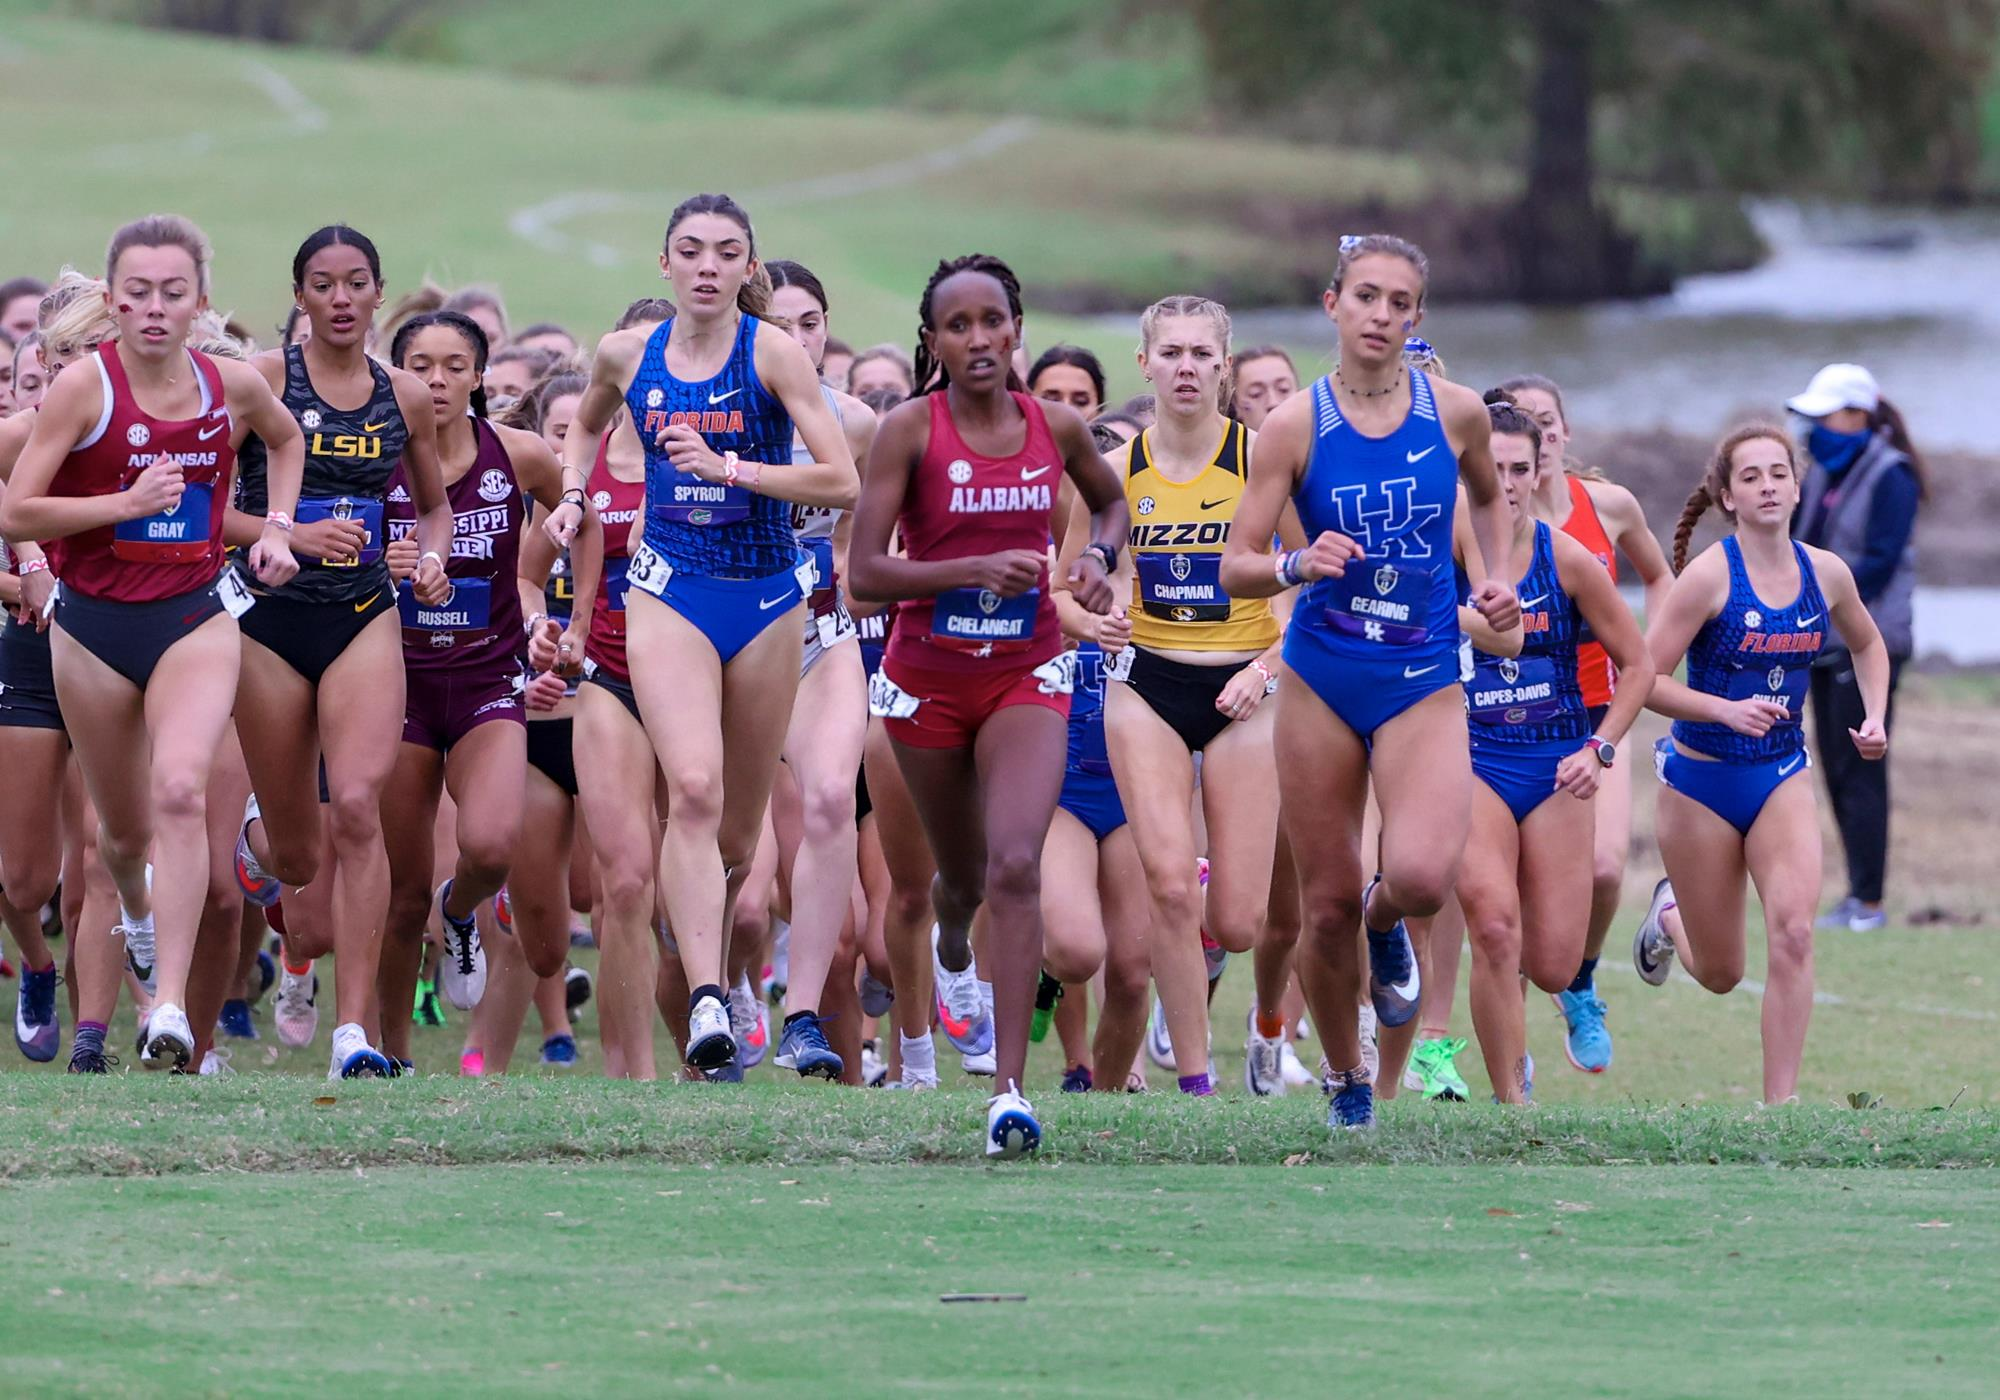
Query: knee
179, 797
485, 857
1790, 942
122, 847
1549, 970
1496, 939
1719, 977
1421, 891
354, 817
1015, 875
1607, 874
627, 890
1237, 930
544, 960
1331, 923
1073, 958
826, 810
909, 906
694, 798
1126, 977
1177, 895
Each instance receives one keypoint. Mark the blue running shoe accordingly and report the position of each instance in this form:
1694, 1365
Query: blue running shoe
1393, 983
37, 1025
235, 1020
1077, 1080
1011, 1129
1588, 1043
366, 1063
267, 973
802, 1046
1351, 1106
731, 1073
559, 1050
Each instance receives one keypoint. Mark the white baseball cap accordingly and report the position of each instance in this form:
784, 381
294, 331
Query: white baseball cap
1837, 387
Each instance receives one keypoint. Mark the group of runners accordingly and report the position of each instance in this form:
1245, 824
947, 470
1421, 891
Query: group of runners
927, 692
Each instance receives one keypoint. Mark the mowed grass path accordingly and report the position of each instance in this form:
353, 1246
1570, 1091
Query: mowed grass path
1139, 1281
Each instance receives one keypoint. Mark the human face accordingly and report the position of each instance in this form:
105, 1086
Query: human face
973, 330
1763, 488
879, 372
1261, 385
1185, 361
1071, 385
806, 318
555, 342
488, 319
155, 294
557, 414
833, 368
708, 260
1514, 457
1540, 405
340, 295
509, 381
444, 361
31, 378
1380, 302
17, 317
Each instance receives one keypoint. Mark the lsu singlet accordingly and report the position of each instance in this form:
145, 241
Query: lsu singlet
1179, 530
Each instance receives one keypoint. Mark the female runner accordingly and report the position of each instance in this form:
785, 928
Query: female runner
1371, 458
128, 473
975, 688
829, 718
1195, 677
323, 660
721, 585
1735, 795
1607, 520
1261, 378
465, 727
1539, 756
1069, 374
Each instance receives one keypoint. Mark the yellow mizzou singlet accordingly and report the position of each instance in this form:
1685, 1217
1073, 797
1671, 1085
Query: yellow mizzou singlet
1178, 533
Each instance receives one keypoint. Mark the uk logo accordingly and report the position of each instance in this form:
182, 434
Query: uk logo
1385, 517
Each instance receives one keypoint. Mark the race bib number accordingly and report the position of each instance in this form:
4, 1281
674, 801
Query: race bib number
648, 571
177, 536
362, 510
1176, 587
1781, 685
971, 619
1386, 604
234, 595
1510, 691
834, 627
1058, 674
469, 608
1118, 667
887, 700
692, 501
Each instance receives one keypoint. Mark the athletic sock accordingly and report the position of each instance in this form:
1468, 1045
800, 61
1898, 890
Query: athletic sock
1197, 1085
706, 989
136, 925
39, 970
89, 1036
1582, 981
919, 1054
299, 971
1270, 1024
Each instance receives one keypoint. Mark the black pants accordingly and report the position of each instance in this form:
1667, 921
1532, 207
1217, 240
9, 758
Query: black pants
1859, 788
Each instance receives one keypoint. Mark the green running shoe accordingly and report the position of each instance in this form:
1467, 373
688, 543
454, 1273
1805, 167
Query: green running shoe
429, 1011
1431, 1069
1047, 994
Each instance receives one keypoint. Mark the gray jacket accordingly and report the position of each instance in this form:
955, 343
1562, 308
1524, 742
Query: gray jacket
1842, 528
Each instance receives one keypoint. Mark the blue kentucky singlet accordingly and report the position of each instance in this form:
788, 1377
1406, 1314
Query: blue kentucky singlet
699, 526
1533, 698
1753, 651
1087, 750
1394, 496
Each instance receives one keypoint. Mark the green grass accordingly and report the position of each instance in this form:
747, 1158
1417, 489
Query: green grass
1138, 1281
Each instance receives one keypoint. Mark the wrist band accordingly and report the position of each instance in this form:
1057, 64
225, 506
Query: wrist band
1105, 555
279, 519
573, 495
33, 566
729, 469
430, 554
537, 620
755, 476
1257, 665
1286, 568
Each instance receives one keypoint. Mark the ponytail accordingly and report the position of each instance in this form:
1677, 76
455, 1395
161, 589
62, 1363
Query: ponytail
753, 298
1691, 514
1888, 418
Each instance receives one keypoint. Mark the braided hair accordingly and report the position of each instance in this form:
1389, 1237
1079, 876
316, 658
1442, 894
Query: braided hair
1715, 480
931, 374
467, 329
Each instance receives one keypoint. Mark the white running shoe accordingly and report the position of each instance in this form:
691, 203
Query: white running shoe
1296, 1075
1011, 1129
1652, 947
215, 1065
1159, 1045
462, 965
169, 1039
1263, 1068
710, 1045
749, 1022
961, 1010
983, 1064
139, 942
874, 1069
355, 1058
1371, 1049
293, 1012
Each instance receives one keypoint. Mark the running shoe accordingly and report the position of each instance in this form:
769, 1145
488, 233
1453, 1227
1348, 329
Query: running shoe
1214, 955
731, 1073
916, 1079
1867, 920
1585, 1040
355, 1058
462, 965
1077, 1080
577, 988
1263, 1069
874, 1069
559, 1050
259, 886
1527, 1078
169, 1040
1011, 1129
877, 996
1351, 1102
750, 1023
1432, 1073
235, 1020
1297, 1076
215, 1065
1852, 916
802, 1046
294, 1013
710, 1044
266, 975
1047, 993
1159, 1045
139, 944
1393, 983
90, 1059
503, 910
472, 1064
1368, 1026
981, 1066
1838, 916
37, 1023
402, 1065
429, 1011
778, 976
960, 1008
1652, 948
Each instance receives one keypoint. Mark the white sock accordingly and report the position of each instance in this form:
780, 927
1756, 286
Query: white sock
131, 921
919, 1056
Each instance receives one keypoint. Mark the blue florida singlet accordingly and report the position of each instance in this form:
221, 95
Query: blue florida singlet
1385, 635
699, 527
1534, 698
1753, 651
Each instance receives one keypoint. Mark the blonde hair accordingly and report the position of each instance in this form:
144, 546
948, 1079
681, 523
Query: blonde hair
162, 231
1183, 305
75, 317
210, 335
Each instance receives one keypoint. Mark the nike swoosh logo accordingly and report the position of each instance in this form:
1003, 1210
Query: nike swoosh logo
719, 398
1808, 621
1211, 505
1786, 770
1410, 674
211, 432
374, 427
1027, 475
766, 604
1533, 601
1405, 989
364, 605
1419, 456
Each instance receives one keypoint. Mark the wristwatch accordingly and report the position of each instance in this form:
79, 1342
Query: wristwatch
1606, 751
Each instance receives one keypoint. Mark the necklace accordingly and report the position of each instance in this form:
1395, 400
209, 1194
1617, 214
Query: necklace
1389, 388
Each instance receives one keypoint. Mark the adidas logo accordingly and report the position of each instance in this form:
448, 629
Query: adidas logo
400, 494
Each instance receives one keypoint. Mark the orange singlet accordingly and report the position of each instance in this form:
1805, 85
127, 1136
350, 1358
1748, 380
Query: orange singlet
1594, 670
